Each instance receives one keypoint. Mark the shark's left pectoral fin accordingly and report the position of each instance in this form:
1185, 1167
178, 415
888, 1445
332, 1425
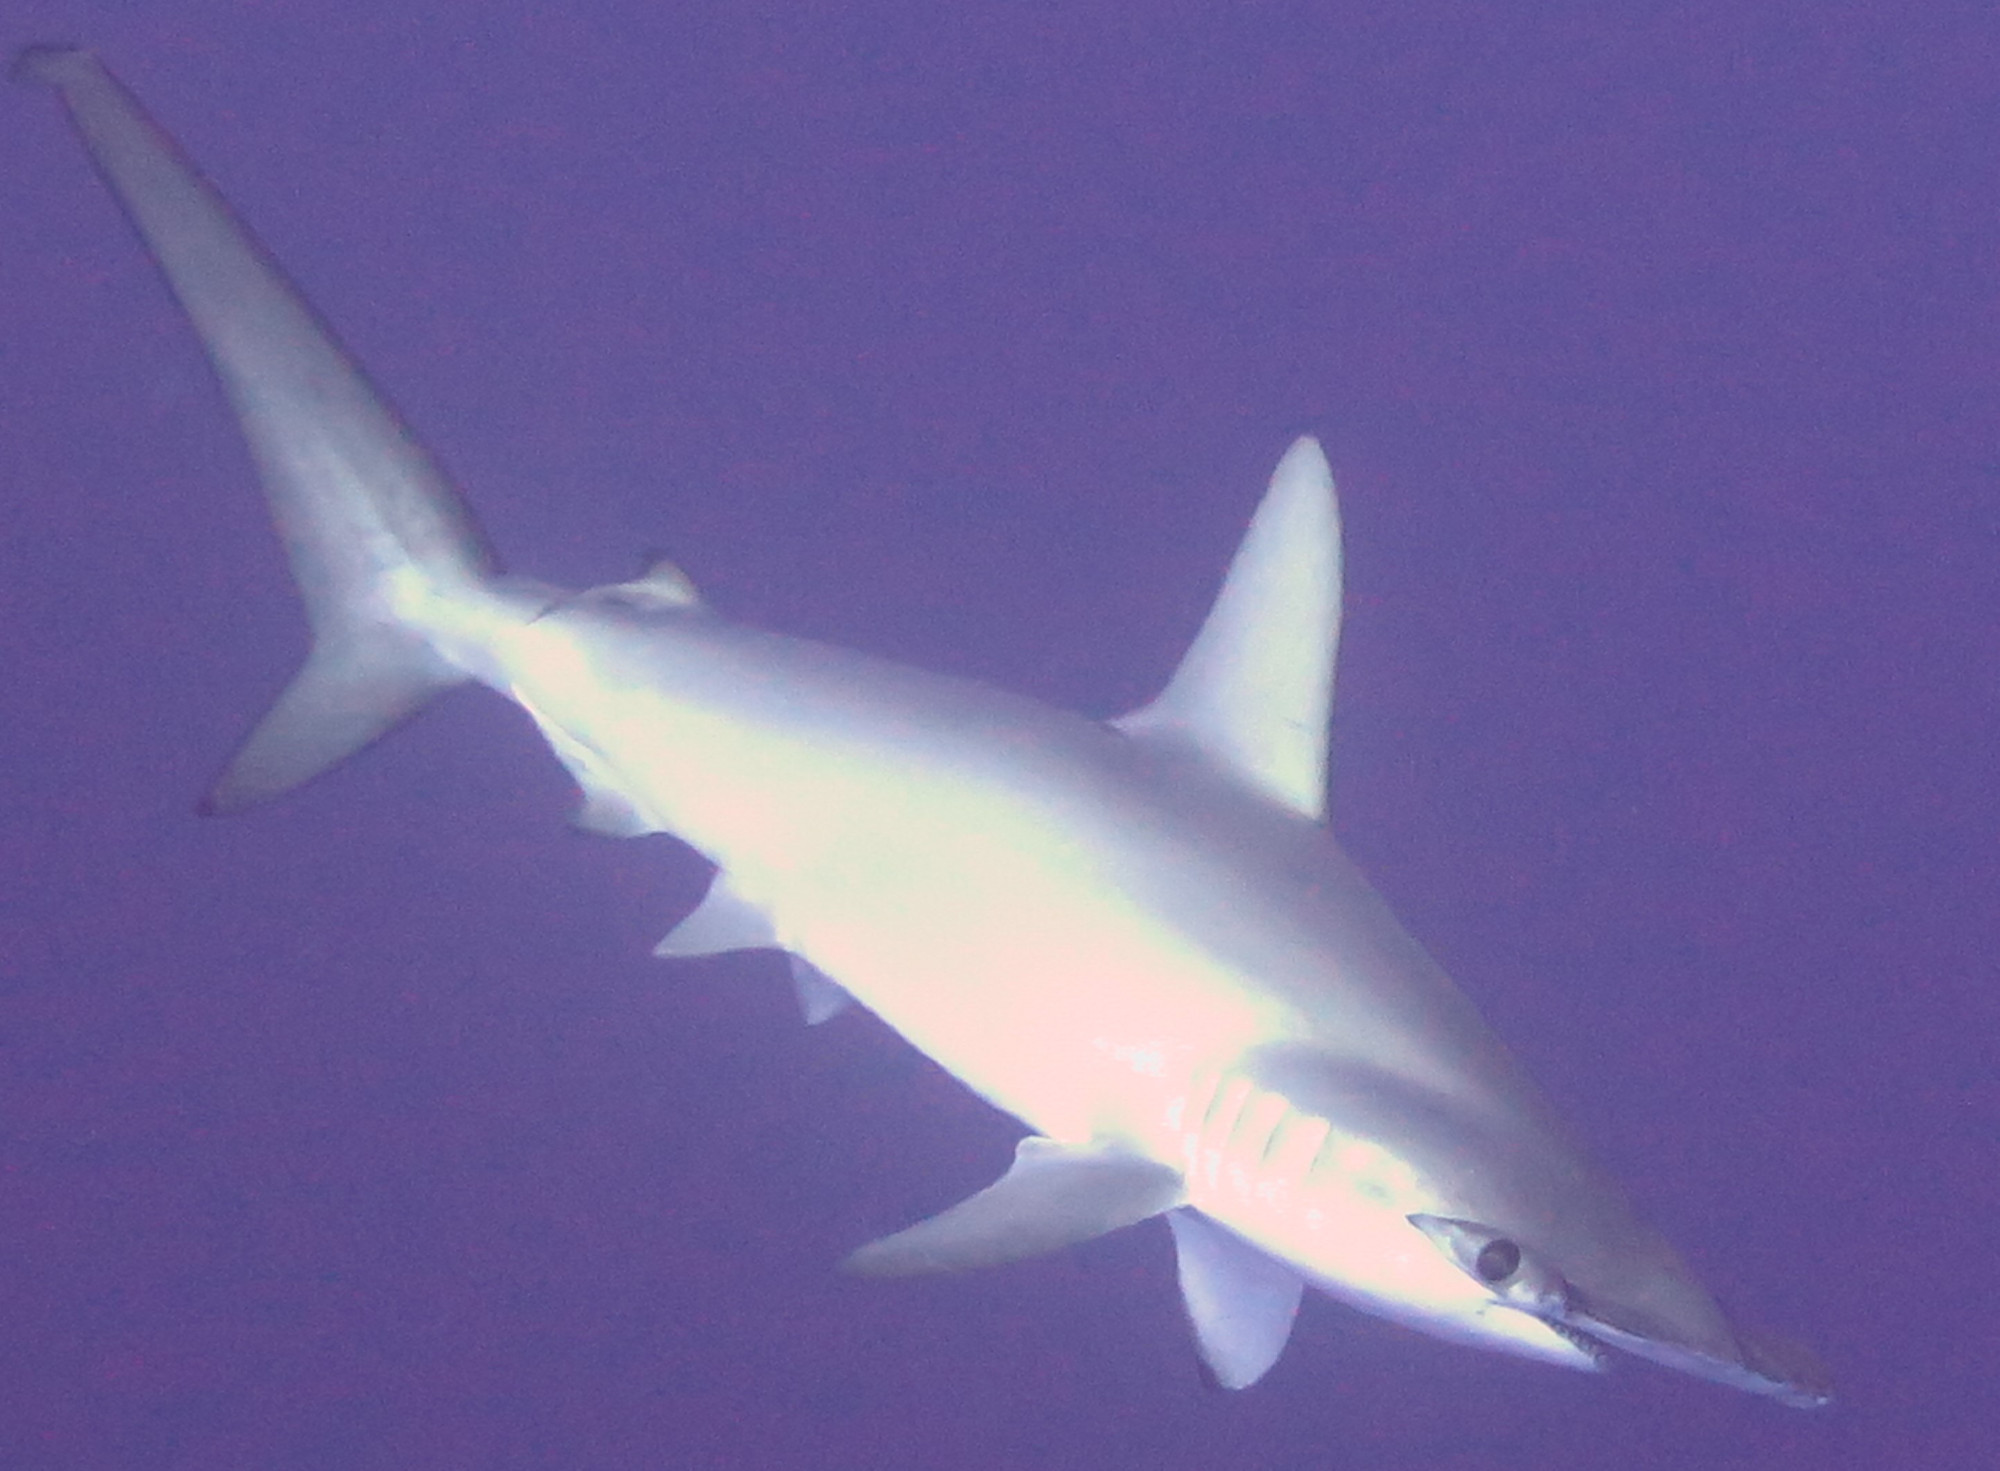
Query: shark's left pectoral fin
1255, 688
1055, 1195
1240, 1301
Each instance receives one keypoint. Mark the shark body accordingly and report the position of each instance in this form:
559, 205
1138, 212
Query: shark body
1137, 937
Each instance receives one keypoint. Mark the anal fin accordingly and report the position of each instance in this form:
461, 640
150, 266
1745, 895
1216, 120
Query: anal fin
609, 813
820, 996
723, 921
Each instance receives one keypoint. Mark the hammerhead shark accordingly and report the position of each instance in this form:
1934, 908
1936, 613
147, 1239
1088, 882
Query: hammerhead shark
1137, 936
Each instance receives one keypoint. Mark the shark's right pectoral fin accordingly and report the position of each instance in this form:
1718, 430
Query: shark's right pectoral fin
1240, 1300
1054, 1195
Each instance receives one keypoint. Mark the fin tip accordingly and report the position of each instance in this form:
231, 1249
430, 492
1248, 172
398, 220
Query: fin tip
48, 64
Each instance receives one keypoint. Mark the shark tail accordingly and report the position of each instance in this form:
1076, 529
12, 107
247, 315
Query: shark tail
388, 560
350, 692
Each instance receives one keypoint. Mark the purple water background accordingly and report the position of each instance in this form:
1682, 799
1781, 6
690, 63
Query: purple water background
1655, 348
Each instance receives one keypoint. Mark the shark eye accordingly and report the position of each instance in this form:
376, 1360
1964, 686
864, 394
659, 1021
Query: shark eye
1498, 1260
1498, 1263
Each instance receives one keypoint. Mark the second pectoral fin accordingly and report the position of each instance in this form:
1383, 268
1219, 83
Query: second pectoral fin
1240, 1300
1055, 1195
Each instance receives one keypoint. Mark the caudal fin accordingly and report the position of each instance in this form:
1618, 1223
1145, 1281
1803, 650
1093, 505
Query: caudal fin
379, 542
353, 689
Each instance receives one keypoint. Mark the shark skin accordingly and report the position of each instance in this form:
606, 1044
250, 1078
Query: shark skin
1138, 937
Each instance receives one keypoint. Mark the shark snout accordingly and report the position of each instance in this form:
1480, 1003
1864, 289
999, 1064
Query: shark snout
1709, 1349
1663, 1314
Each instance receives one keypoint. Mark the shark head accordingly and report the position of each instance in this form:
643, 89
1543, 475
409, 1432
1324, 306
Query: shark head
1467, 1213
1653, 1307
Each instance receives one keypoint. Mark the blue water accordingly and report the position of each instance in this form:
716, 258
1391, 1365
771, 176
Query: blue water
1655, 349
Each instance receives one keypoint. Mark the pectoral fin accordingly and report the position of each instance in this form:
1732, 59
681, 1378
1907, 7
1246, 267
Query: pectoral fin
1055, 1195
1240, 1301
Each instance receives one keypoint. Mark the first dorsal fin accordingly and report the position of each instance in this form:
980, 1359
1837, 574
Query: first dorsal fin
1254, 691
